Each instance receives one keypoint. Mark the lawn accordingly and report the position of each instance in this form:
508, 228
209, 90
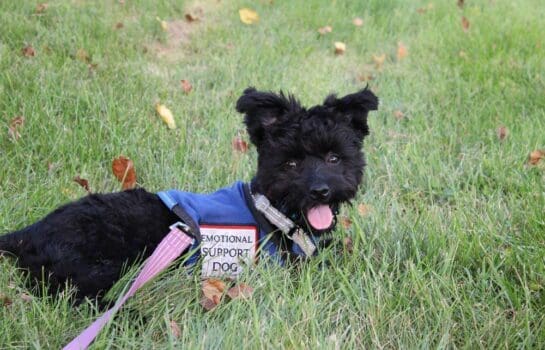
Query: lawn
448, 230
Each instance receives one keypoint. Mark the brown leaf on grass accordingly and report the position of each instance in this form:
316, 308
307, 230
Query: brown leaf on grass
207, 303
28, 51
325, 30
364, 209
465, 24
460, 3
365, 77
191, 17
82, 55
5, 300
398, 114
175, 329
123, 169
83, 183
119, 25
40, 8
379, 60
14, 126
340, 48
346, 223
186, 86
239, 144
358, 22
535, 156
502, 132
348, 245
402, 51
52, 167
248, 16
25, 297
212, 289
240, 291
92, 67
422, 10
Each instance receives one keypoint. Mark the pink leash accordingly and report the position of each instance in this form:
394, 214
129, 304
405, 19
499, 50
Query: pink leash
174, 244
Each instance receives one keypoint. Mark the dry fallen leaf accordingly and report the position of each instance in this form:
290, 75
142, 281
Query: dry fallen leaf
248, 16
422, 10
28, 51
175, 329
358, 22
40, 8
83, 183
398, 114
363, 77
212, 289
502, 132
346, 223
186, 86
82, 55
163, 23
340, 48
379, 60
25, 297
123, 169
119, 25
240, 291
207, 303
402, 51
5, 300
166, 115
14, 125
190, 17
52, 167
465, 24
239, 144
364, 209
325, 30
348, 244
536, 156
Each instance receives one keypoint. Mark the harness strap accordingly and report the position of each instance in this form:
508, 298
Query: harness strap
174, 244
285, 225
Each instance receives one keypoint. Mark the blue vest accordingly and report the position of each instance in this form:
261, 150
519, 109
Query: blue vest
229, 206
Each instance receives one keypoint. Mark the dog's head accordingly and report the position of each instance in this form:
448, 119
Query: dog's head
309, 160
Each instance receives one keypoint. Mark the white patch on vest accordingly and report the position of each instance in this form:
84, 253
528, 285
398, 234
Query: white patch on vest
226, 250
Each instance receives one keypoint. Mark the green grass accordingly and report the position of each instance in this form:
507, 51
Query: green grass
453, 251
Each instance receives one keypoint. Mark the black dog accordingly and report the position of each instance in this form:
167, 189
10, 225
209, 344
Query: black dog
310, 161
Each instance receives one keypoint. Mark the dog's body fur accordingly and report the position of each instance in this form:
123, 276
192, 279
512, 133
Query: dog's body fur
307, 159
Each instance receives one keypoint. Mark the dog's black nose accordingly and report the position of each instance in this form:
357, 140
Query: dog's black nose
319, 191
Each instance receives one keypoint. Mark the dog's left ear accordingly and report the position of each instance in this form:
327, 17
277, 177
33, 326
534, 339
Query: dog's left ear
354, 108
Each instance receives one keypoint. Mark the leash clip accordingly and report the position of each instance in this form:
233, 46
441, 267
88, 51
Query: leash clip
185, 228
303, 241
182, 226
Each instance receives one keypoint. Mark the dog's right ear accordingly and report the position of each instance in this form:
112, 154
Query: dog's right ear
264, 111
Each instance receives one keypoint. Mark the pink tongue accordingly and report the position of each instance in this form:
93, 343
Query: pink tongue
320, 217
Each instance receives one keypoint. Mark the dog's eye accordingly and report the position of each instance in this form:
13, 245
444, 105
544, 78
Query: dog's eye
291, 164
333, 159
